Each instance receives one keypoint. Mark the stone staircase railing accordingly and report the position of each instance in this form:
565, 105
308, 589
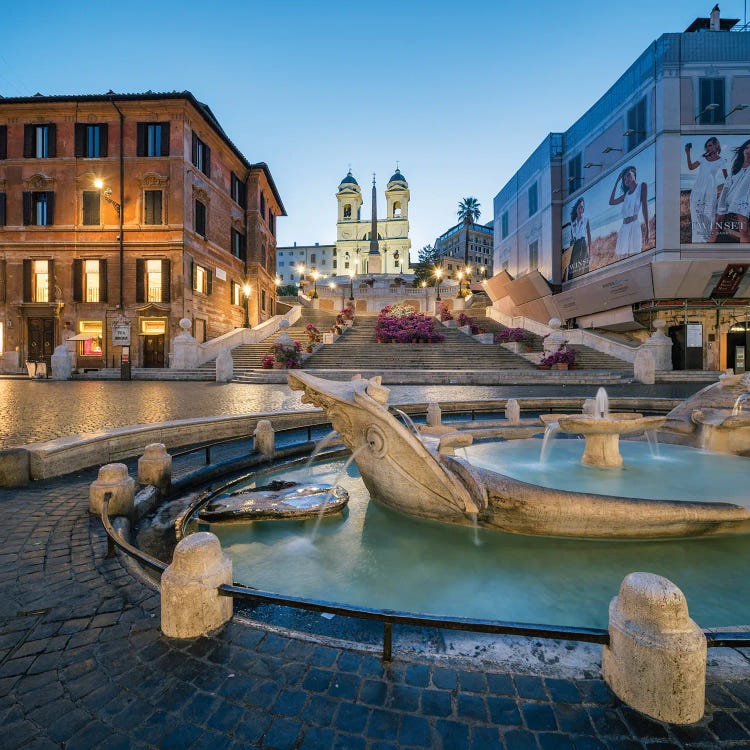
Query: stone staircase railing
188, 354
574, 336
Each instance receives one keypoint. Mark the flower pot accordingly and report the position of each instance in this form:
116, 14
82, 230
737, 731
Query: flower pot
562, 365
278, 365
543, 367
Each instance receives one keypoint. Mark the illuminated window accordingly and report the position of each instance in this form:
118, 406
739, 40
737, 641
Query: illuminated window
92, 280
237, 293
40, 280
153, 281
91, 347
153, 326
202, 279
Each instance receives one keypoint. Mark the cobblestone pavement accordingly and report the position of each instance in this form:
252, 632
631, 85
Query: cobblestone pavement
69, 408
83, 665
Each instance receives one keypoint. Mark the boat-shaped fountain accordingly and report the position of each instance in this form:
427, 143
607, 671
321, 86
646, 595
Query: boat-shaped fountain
425, 478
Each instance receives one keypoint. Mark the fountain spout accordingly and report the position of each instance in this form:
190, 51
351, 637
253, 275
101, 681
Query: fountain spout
601, 404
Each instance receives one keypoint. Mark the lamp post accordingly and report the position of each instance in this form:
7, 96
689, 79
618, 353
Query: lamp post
315, 276
351, 285
426, 296
468, 271
460, 277
438, 276
300, 268
246, 295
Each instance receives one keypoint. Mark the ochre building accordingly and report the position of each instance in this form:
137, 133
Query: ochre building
121, 215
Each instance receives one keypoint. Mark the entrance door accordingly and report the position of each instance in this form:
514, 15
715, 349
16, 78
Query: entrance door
41, 340
153, 350
735, 340
687, 349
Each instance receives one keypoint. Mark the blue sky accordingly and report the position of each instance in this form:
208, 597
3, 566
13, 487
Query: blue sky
458, 95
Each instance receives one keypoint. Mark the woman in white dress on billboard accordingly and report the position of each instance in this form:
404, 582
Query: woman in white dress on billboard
634, 199
704, 195
735, 199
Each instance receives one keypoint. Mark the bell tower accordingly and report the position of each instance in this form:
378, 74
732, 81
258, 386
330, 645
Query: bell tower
349, 197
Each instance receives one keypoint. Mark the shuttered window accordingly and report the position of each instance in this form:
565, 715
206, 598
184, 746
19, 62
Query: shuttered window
152, 202
39, 208
152, 139
201, 156
91, 140
237, 244
3, 141
152, 280
238, 191
91, 212
89, 280
39, 141
203, 279
200, 218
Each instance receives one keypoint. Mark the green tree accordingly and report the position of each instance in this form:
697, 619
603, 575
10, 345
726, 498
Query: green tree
426, 260
469, 212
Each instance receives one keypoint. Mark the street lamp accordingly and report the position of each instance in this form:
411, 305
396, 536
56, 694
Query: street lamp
460, 277
426, 295
438, 276
246, 295
351, 285
107, 195
315, 276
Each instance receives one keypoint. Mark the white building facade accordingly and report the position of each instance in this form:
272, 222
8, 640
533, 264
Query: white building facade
639, 211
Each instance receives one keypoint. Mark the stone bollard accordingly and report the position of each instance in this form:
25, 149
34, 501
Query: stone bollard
513, 411
656, 658
190, 603
62, 363
155, 467
434, 415
224, 366
113, 478
265, 438
644, 367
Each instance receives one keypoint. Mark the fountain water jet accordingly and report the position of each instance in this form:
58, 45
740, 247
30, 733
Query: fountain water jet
401, 471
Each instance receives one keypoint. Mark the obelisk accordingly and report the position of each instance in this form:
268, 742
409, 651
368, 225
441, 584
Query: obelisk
374, 259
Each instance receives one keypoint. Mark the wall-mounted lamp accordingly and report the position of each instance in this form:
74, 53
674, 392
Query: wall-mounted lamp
610, 148
736, 108
708, 108
107, 194
590, 164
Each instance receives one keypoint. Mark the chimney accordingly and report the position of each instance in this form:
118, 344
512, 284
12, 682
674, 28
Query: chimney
715, 22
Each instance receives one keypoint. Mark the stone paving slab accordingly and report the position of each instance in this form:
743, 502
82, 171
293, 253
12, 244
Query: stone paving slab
83, 665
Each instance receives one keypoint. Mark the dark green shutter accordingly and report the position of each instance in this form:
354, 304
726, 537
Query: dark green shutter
165, 139
194, 154
77, 280
52, 141
209, 281
207, 165
91, 208
140, 280
29, 133
3, 281
27, 208
50, 208
103, 139
27, 280
166, 281
141, 138
148, 214
103, 281
80, 139
3, 141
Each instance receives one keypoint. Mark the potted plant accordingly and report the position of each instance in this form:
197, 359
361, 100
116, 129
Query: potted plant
562, 359
513, 339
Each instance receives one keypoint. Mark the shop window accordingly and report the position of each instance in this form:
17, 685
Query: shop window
91, 347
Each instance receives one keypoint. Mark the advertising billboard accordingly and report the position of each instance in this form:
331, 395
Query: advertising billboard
715, 189
612, 219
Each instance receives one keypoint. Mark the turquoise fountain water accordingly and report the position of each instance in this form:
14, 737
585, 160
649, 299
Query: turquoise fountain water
373, 556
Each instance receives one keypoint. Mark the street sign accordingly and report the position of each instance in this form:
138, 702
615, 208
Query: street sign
121, 334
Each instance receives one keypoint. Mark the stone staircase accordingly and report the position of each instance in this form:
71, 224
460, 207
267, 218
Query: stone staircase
247, 357
586, 359
358, 350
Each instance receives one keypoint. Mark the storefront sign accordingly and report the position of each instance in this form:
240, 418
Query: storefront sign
121, 334
729, 282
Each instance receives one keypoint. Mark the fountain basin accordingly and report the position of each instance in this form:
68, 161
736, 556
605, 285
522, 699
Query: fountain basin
400, 471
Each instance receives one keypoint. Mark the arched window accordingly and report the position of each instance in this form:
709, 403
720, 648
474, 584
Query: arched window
397, 209
348, 211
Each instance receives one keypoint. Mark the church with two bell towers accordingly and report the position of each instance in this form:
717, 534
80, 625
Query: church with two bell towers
373, 246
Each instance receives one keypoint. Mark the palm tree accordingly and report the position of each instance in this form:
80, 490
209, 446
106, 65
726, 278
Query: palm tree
468, 212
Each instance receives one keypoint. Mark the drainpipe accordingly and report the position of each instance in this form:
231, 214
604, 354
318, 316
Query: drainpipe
122, 197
